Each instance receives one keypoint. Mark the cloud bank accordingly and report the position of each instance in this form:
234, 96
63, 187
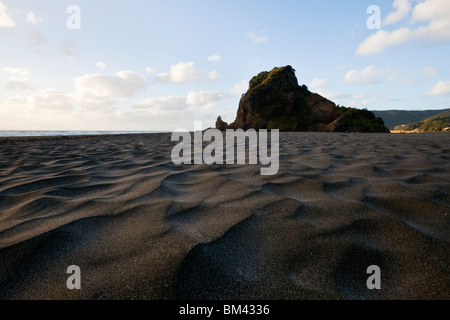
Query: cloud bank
432, 20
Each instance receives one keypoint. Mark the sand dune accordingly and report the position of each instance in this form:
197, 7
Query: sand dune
140, 227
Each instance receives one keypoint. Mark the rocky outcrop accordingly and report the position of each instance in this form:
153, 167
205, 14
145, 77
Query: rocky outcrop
220, 124
275, 100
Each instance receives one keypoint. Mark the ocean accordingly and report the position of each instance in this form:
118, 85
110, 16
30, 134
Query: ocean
39, 133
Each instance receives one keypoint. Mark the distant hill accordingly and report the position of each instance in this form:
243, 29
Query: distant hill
393, 118
434, 123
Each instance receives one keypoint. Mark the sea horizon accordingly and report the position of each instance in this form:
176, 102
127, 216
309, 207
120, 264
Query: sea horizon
49, 133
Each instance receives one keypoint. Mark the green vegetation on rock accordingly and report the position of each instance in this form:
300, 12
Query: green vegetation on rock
356, 120
275, 100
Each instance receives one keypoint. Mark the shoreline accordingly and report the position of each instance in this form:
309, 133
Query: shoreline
97, 136
75, 137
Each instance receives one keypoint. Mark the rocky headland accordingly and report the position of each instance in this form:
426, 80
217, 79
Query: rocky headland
275, 100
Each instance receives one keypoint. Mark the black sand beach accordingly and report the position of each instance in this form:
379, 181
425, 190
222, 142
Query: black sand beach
140, 227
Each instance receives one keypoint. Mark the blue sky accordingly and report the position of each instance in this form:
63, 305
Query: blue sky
161, 65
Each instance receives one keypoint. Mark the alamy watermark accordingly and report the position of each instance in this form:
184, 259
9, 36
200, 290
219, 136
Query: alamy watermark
374, 281
74, 281
374, 20
73, 22
186, 153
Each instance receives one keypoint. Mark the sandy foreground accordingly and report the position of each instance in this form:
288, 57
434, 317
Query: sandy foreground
140, 227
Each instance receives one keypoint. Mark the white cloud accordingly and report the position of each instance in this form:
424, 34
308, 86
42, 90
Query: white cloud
33, 19
173, 105
37, 39
6, 20
358, 96
18, 73
101, 65
30, 101
349, 100
213, 76
19, 78
334, 96
17, 85
257, 37
240, 88
68, 50
429, 71
52, 99
214, 58
365, 103
368, 75
206, 99
180, 73
44, 100
442, 87
163, 105
410, 82
14, 105
94, 104
403, 8
123, 84
154, 118
150, 70
381, 40
318, 84
437, 31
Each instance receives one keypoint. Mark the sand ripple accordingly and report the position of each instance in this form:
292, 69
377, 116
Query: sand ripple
141, 227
